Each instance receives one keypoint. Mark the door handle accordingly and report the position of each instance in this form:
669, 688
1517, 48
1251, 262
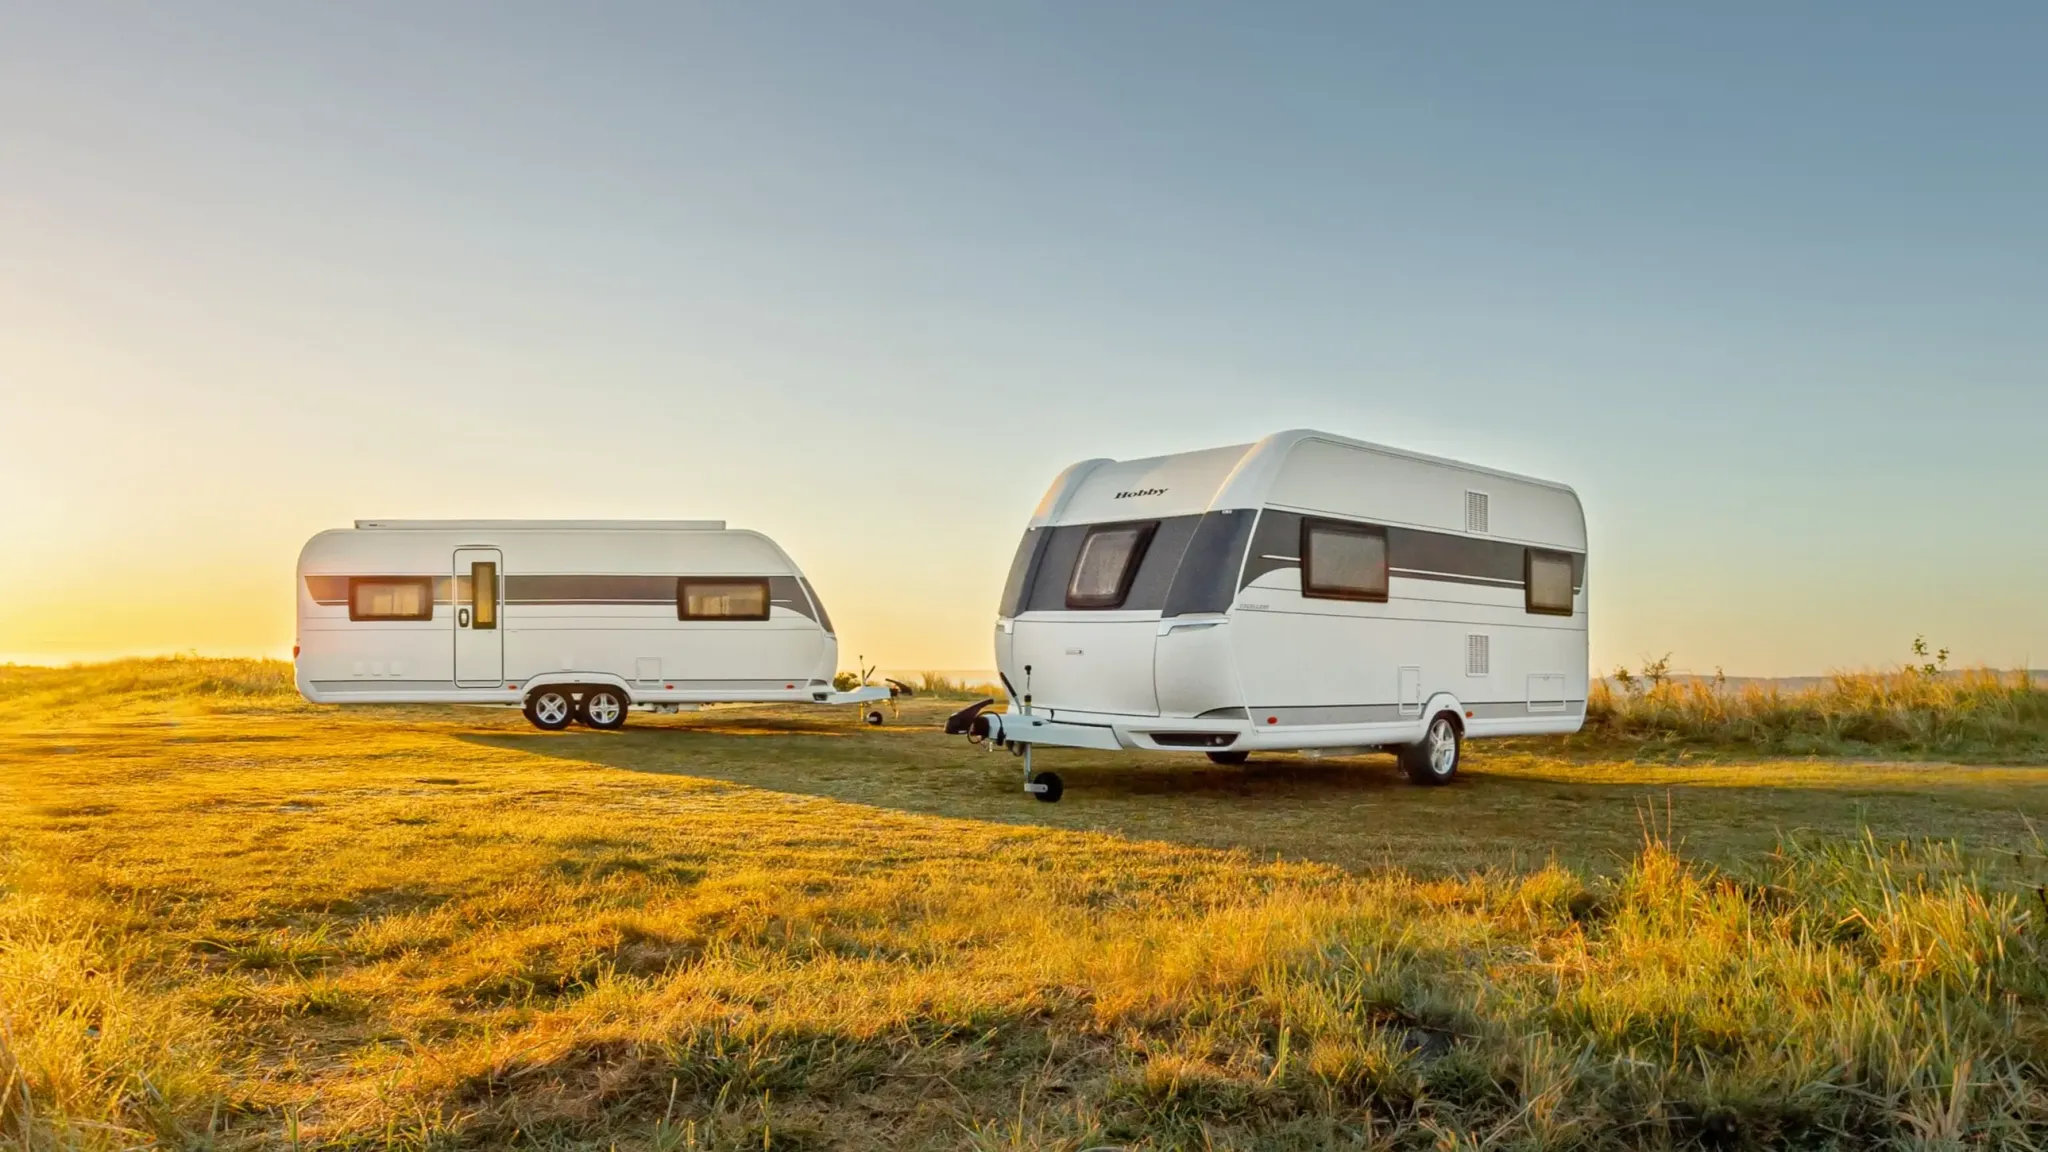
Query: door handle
462, 617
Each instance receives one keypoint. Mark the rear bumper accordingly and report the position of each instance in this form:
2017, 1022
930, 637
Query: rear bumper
1112, 733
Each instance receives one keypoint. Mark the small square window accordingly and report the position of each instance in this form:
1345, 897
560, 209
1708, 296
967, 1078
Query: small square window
1108, 564
1342, 561
1548, 578
721, 599
391, 598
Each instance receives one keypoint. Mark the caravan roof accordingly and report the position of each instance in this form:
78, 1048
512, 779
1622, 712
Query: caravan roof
1313, 471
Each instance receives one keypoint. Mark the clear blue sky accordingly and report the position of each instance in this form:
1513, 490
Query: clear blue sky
1767, 283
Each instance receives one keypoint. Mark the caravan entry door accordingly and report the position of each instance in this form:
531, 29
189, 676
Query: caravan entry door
479, 611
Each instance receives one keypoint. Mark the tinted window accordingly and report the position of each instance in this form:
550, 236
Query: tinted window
1109, 559
745, 599
391, 598
1549, 580
1343, 561
483, 583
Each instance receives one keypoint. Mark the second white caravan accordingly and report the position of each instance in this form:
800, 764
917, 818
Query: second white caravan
1307, 591
573, 620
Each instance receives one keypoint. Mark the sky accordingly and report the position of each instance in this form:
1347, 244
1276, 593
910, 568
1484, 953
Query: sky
1767, 284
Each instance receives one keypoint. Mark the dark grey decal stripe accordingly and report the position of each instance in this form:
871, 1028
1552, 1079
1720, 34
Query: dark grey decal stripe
1416, 553
1405, 574
332, 591
816, 601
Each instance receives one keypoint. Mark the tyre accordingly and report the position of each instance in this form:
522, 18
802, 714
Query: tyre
874, 718
1434, 759
603, 708
1232, 758
1046, 787
550, 709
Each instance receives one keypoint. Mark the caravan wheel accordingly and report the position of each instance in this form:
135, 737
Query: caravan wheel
1434, 759
603, 708
549, 709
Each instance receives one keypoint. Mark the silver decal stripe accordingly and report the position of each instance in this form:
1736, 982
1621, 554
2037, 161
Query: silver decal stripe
1390, 713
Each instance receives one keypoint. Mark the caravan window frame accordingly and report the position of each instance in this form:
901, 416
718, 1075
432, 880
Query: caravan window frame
1128, 576
1314, 591
424, 583
683, 598
1570, 605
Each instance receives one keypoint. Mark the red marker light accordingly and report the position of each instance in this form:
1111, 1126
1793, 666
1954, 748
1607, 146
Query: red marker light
668, 687
295, 651
1272, 719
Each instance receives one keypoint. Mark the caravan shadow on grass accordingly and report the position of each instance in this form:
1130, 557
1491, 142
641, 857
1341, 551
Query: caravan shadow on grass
1514, 810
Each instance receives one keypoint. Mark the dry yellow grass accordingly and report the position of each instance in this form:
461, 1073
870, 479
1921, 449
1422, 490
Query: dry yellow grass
231, 919
1975, 715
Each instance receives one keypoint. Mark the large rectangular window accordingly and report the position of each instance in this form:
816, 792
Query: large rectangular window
1548, 577
1343, 561
1108, 563
391, 598
722, 598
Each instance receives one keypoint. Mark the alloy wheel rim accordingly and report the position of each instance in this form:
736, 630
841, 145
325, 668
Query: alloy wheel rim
1443, 748
604, 708
552, 708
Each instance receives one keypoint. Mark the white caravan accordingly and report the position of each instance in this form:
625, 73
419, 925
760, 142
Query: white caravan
1308, 591
569, 619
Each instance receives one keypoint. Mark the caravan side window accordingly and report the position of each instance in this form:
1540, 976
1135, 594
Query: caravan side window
1108, 563
1548, 577
724, 598
1342, 561
391, 598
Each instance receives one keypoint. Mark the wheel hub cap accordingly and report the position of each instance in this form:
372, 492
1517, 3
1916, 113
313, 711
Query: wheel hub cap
552, 708
1443, 748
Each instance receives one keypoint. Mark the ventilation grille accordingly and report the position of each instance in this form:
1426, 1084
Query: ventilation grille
1478, 655
1475, 512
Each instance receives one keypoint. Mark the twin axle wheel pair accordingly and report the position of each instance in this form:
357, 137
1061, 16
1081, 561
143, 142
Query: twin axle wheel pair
1431, 760
553, 708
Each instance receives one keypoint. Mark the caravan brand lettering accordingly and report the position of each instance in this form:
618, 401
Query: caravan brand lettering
1141, 492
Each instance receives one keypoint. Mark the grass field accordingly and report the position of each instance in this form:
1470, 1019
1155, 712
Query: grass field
231, 919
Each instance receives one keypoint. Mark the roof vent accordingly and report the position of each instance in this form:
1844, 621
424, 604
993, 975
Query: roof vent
1478, 655
1475, 512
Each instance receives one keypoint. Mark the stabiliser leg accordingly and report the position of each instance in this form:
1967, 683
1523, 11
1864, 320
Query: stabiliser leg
1043, 786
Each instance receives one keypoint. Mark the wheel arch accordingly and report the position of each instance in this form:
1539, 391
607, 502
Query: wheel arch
1443, 703
576, 680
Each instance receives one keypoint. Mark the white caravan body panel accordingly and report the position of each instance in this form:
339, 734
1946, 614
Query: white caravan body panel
1215, 638
491, 609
